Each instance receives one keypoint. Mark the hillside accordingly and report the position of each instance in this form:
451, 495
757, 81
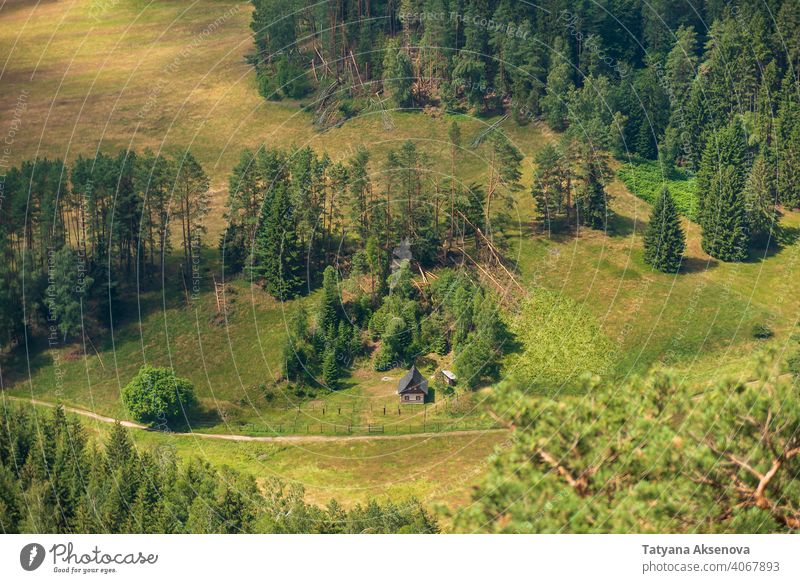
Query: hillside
171, 76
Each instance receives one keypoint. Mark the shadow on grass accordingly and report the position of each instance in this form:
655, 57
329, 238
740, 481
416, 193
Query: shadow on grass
199, 418
698, 264
17, 363
624, 226
784, 237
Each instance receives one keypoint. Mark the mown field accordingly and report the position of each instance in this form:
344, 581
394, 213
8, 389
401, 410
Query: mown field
131, 73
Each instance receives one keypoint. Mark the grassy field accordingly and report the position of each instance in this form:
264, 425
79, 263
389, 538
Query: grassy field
170, 76
81, 102
111, 75
436, 470
229, 365
699, 321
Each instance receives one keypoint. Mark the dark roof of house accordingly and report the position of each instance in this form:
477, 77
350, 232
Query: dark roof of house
412, 381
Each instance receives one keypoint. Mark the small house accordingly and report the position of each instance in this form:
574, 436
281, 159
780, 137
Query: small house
413, 387
448, 377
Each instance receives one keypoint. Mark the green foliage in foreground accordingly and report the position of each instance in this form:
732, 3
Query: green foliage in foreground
559, 341
52, 481
158, 395
646, 180
650, 456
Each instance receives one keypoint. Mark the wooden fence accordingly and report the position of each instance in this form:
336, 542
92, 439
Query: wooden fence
386, 429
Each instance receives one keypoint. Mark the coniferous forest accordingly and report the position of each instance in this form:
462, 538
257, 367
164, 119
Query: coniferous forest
578, 220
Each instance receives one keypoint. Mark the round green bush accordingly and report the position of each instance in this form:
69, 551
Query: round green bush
158, 395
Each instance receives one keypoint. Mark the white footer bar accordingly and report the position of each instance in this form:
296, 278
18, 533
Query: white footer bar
399, 558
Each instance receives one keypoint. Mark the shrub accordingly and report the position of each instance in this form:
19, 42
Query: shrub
157, 394
762, 332
647, 179
793, 363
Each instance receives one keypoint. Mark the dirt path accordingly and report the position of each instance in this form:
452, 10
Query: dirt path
267, 439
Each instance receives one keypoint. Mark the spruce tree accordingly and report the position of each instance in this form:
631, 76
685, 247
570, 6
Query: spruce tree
329, 302
787, 146
397, 75
330, 369
278, 255
724, 148
664, 240
554, 103
360, 189
725, 232
760, 201
593, 207
548, 188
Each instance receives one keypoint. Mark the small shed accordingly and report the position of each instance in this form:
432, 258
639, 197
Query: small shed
413, 387
448, 377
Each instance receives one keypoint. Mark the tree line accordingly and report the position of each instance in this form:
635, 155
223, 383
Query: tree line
74, 234
292, 212
55, 478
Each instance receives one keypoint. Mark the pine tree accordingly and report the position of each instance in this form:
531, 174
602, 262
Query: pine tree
329, 302
787, 145
454, 137
504, 171
664, 239
246, 193
360, 188
193, 202
725, 232
10, 294
681, 67
66, 292
471, 64
724, 148
554, 103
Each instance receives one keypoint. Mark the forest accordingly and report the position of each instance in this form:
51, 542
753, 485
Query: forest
712, 90
380, 254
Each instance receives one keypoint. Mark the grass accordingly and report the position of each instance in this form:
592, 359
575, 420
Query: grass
144, 74
136, 73
229, 365
436, 470
698, 321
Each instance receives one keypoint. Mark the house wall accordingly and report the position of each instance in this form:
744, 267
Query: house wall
412, 398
